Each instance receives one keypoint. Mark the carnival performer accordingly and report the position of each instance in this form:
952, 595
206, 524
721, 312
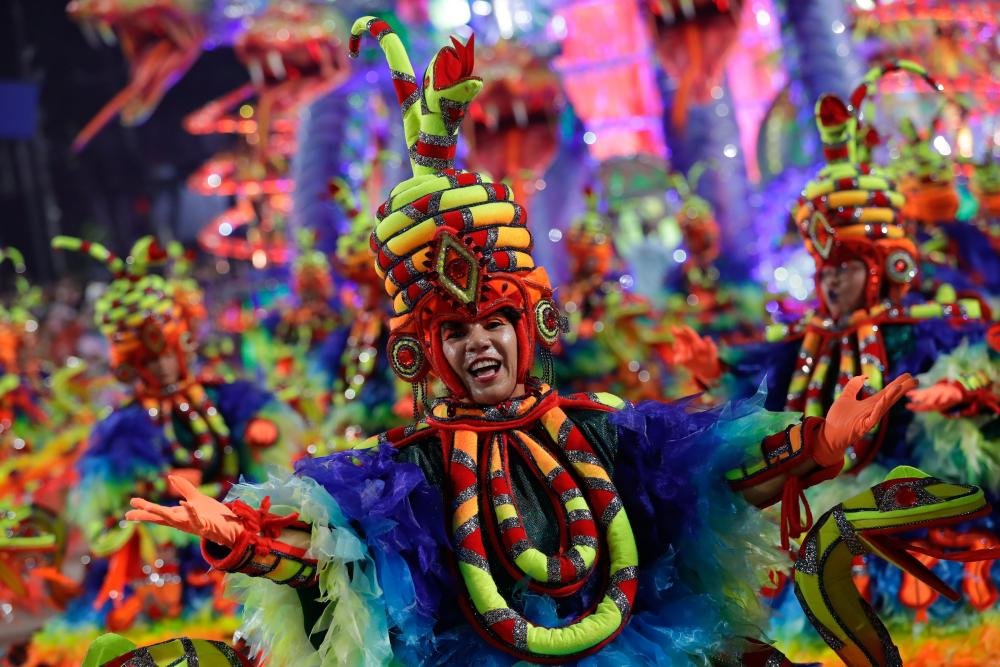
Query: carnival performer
867, 322
867, 325
141, 580
499, 527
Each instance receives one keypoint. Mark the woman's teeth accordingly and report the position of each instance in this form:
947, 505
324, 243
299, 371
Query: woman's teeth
484, 368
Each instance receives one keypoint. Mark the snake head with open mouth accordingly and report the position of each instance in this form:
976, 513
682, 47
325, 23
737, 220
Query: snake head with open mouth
873, 522
160, 39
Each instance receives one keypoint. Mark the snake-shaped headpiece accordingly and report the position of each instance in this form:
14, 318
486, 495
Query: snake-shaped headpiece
134, 294
449, 244
851, 209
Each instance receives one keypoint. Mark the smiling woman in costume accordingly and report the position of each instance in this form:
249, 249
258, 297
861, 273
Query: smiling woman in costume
499, 527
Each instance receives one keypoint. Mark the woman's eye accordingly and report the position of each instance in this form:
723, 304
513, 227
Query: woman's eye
494, 324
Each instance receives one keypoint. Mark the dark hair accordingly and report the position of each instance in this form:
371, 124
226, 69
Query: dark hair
513, 315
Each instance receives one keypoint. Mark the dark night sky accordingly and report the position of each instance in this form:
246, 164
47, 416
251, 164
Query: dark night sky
128, 181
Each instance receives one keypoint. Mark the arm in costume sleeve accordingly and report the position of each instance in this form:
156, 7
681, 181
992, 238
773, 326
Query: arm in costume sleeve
961, 443
373, 563
124, 457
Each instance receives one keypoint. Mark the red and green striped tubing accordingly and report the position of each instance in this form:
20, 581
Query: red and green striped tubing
488, 611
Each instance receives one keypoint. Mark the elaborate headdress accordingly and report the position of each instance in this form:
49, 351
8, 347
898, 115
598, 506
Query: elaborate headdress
138, 312
851, 209
449, 243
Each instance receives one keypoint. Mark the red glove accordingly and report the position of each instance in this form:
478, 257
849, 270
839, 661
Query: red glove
849, 418
698, 354
939, 397
197, 514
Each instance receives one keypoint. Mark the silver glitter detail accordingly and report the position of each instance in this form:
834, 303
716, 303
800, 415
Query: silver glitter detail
492, 236
403, 76
463, 459
501, 499
586, 541
466, 529
776, 659
494, 616
555, 472
579, 515
190, 653
599, 484
569, 494
468, 492
467, 221
510, 524
854, 545
577, 456
624, 574
471, 558
518, 213
382, 33
519, 548
578, 565
808, 559
553, 570
620, 600
437, 140
427, 161
452, 114
410, 100
611, 511
521, 634
434, 204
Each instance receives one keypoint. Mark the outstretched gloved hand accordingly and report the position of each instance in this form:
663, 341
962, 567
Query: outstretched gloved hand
698, 354
938, 397
197, 514
850, 418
